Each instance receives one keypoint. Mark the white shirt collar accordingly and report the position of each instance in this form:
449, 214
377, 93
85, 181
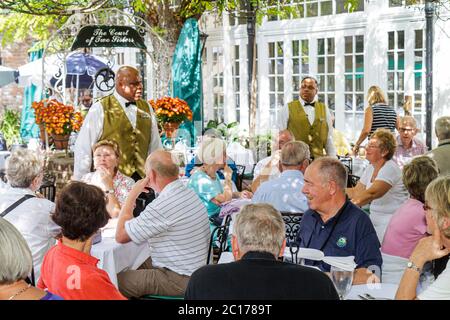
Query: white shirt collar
303, 101
121, 99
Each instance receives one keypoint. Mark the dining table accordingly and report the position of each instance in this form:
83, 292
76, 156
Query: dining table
115, 257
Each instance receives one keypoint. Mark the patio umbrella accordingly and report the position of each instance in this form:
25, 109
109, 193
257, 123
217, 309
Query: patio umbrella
7, 75
81, 68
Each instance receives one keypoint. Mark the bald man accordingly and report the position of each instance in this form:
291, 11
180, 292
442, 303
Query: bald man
125, 118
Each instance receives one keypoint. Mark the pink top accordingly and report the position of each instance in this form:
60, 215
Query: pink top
406, 228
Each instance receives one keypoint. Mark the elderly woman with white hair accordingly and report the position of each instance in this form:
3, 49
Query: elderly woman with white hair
437, 206
16, 264
26, 211
206, 183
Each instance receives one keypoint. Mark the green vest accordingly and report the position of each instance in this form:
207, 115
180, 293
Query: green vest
133, 143
314, 135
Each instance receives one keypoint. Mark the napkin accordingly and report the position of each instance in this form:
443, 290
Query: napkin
346, 263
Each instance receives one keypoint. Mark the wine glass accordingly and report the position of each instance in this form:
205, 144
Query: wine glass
342, 280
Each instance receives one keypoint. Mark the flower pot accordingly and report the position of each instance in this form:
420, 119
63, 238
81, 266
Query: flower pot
61, 141
170, 129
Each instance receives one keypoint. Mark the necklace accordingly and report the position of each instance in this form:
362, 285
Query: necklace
19, 292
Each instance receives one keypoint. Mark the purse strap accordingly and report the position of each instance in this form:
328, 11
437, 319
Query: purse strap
15, 204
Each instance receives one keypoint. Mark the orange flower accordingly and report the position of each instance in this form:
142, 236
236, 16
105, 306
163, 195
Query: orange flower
168, 109
58, 118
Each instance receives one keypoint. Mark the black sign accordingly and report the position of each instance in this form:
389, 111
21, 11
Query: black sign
108, 36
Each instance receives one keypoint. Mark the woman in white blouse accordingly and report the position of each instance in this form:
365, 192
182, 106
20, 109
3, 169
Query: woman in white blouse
24, 172
381, 184
107, 176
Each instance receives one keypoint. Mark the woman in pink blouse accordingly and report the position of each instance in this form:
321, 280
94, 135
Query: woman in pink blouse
106, 155
408, 224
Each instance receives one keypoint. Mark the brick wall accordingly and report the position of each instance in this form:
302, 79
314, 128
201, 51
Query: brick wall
13, 56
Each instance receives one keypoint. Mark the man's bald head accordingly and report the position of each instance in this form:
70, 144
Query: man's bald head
162, 163
128, 83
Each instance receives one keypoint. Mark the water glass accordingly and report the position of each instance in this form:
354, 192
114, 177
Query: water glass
342, 280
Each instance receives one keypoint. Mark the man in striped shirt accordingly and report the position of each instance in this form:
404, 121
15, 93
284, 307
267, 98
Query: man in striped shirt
175, 225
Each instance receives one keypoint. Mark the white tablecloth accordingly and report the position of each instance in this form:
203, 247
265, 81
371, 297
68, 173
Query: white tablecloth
380, 291
115, 257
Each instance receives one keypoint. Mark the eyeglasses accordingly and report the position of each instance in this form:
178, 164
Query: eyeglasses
426, 207
371, 146
406, 129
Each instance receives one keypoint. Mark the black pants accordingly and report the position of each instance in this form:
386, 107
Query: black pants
144, 198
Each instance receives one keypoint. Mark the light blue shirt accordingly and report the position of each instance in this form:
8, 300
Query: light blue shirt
284, 192
207, 189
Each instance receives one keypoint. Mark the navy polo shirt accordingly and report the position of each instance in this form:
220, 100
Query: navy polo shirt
353, 235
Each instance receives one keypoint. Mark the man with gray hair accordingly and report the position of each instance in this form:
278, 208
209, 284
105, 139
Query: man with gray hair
258, 240
175, 225
333, 224
284, 192
408, 145
20, 205
441, 154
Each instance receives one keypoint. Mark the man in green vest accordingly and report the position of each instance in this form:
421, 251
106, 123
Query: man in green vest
309, 120
125, 118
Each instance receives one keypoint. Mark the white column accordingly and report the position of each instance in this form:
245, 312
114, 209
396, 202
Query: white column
263, 83
229, 107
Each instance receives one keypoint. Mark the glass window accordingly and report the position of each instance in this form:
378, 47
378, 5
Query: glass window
396, 69
276, 76
326, 69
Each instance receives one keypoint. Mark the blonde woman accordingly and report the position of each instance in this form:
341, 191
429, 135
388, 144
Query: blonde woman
437, 206
206, 182
377, 115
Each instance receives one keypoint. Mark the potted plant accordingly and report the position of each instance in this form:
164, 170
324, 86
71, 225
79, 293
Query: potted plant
59, 119
10, 128
170, 113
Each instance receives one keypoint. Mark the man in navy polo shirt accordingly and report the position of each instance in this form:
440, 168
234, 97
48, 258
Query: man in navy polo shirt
334, 224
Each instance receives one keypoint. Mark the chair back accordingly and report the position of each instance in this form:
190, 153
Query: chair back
218, 241
240, 176
48, 190
292, 223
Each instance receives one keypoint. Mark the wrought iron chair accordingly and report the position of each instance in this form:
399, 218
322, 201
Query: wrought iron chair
292, 223
352, 179
48, 190
240, 176
219, 243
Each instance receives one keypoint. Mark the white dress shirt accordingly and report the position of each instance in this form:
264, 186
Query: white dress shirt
92, 130
32, 219
283, 117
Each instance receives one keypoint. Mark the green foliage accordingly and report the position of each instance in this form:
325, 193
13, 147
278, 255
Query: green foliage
10, 126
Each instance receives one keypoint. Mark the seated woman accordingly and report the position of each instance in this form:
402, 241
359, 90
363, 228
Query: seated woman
206, 182
408, 224
16, 265
381, 183
437, 206
107, 176
24, 171
68, 268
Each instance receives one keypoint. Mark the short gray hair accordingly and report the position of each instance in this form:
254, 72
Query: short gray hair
259, 227
211, 149
437, 195
331, 169
294, 153
22, 167
409, 120
442, 128
15, 255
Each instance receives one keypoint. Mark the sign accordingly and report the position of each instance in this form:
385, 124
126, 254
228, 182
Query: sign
108, 36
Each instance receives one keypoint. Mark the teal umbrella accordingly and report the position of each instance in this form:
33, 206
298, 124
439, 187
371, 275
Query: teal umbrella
187, 76
28, 127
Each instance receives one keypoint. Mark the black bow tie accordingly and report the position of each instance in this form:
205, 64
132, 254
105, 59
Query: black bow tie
129, 103
312, 104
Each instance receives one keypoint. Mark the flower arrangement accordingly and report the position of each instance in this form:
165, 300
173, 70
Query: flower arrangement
168, 109
59, 118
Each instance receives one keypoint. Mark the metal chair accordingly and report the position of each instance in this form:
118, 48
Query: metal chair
48, 190
219, 243
292, 223
240, 176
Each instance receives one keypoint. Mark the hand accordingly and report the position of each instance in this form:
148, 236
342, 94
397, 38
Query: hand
429, 248
355, 150
246, 194
227, 172
139, 187
106, 178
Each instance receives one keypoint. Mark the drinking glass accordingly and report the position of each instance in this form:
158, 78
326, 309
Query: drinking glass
342, 280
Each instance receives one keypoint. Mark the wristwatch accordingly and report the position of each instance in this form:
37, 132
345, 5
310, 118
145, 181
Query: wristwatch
109, 191
411, 265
